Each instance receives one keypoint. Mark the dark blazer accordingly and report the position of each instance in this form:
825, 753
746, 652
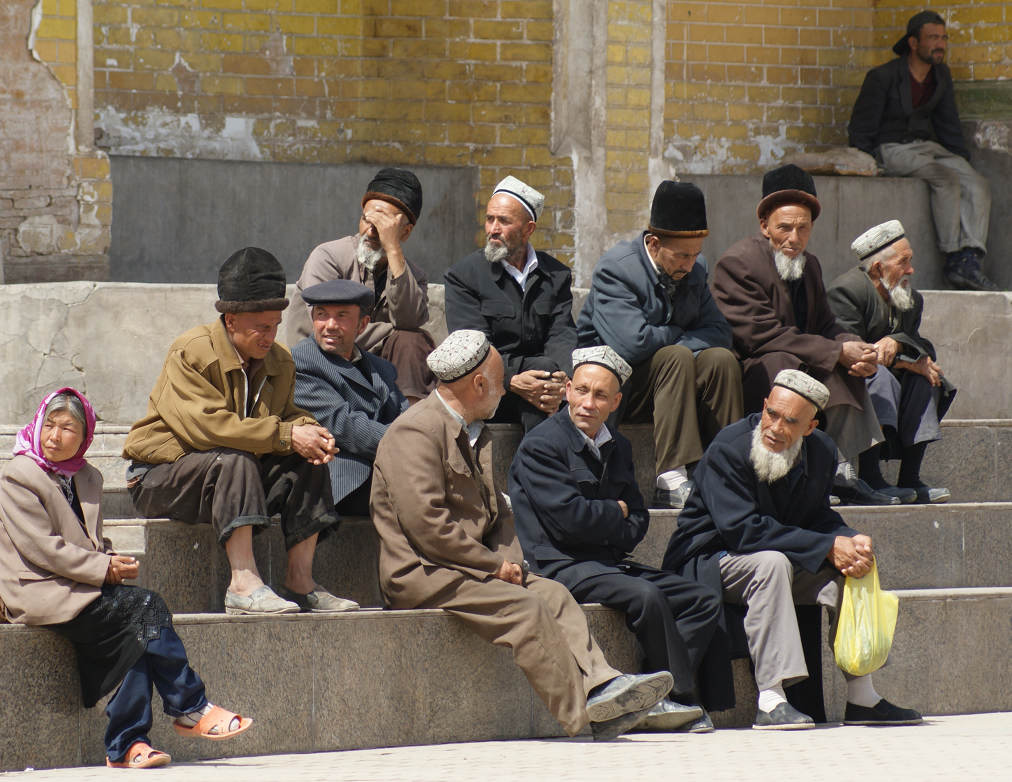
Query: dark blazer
884, 112
628, 309
565, 501
354, 407
532, 329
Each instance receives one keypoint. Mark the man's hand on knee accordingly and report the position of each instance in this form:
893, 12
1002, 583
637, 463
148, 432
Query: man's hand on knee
510, 572
314, 443
852, 556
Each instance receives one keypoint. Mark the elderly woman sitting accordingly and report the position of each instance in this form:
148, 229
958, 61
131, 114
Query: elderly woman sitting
56, 571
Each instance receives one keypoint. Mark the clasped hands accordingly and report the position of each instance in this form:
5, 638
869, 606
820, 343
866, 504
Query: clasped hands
852, 556
121, 567
314, 443
540, 388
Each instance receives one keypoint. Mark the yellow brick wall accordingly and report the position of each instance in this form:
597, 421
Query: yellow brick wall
56, 43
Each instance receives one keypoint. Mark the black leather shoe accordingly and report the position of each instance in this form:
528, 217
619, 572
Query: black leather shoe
854, 491
904, 495
962, 270
882, 713
626, 693
672, 498
702, 725
613, 728
783, 717
668, 715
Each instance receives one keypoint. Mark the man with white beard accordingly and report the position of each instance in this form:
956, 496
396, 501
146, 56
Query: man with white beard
374, 256
770, 290
909, 391
759, 527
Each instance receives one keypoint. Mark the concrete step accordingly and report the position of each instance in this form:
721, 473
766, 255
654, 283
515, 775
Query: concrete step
956, 545
393, 678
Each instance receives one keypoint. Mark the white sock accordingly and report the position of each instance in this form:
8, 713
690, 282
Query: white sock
191, 719
861, 692
672, 479
771, 698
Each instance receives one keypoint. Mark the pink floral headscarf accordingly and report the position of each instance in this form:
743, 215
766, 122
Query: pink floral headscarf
29, 438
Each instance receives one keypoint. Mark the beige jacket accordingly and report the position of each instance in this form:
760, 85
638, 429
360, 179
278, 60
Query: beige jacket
198, 397
51, 567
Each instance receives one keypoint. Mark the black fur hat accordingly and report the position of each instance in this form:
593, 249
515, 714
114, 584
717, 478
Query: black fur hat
399, 187
251, 280
788, 185
678, 209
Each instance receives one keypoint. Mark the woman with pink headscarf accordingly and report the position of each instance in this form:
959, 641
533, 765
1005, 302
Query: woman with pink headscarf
56, 570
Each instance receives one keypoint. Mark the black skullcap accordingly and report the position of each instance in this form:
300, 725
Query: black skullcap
678, 209
917, 21
399, 187
788, 185
340, 292
251, 280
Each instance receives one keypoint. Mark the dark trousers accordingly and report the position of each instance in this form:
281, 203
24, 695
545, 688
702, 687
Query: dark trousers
407, 351
165, 666
230, 489
673, 617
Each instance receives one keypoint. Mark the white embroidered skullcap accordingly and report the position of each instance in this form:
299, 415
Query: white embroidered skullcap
877, 238
458, 354
605, 357
804, 385
529, 198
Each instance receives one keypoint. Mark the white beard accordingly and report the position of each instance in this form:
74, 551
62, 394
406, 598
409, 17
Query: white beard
367, 256
900, 295
771, 466
496, 252
789, 268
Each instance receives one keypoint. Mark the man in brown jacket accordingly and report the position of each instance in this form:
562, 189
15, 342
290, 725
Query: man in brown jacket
770, 289
447, 541
374, 256
223, 442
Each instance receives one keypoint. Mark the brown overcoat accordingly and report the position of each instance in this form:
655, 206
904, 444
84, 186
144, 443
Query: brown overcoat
757, 304
51, 567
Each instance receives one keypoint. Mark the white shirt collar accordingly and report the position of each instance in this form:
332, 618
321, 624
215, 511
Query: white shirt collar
602, 436
529, 266
473, 429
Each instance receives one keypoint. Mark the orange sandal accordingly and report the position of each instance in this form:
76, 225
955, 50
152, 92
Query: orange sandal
141, 755
214, 725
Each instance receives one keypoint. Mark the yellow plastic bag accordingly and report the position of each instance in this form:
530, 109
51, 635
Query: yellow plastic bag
864, 634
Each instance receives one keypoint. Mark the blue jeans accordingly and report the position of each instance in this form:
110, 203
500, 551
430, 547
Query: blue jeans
163, 664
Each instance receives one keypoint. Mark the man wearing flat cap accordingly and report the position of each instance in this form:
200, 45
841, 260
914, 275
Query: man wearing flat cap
650, 303
906, 116
351, 392
374, 256
447, 541
876, 301
520, 298
770, 289
222, 442
759, 528
579, 515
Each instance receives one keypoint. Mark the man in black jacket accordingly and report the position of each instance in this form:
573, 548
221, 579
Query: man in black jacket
579, 513
906, 116
521, 300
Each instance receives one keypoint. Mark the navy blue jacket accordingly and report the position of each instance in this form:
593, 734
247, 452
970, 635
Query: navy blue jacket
354, 407
628, 310
565, 500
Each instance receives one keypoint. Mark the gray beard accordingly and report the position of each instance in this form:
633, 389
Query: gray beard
770, 466
900, 295
496, 252
788, 268
367, 256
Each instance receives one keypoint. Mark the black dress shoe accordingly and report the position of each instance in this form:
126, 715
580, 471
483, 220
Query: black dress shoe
672, 498
702, 725
962, 270
882, 713
783, 717
903, 494
626, 693
613, 728
669, 715
854, 491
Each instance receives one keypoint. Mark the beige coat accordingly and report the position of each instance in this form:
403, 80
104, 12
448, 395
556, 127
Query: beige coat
445, 528
197, 399
404, 303
51, 567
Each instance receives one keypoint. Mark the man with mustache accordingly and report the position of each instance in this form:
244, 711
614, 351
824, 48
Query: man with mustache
521, 299
374, 256
910, 393
770, 290
758, 527
906, 116
649, 302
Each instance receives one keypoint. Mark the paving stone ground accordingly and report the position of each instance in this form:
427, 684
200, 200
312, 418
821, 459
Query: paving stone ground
963, 747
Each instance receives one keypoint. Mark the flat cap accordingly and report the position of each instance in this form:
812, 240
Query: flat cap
804, 385
529, 198
605, 357
340, 292
458, 355
877, 238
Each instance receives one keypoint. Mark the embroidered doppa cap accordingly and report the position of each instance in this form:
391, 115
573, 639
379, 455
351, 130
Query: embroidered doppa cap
788, 185
529, 198
605, 357
399, 187
459, 354
804, 385
877, 238
251, 280
340, 292
678, 209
